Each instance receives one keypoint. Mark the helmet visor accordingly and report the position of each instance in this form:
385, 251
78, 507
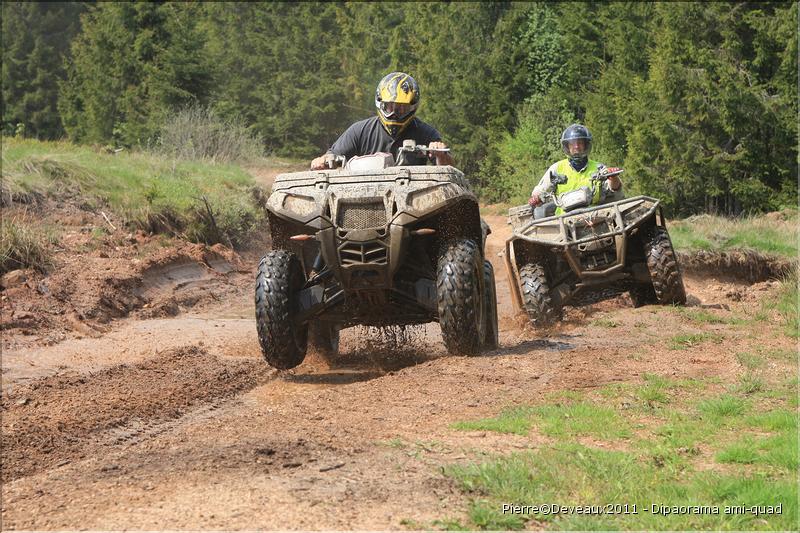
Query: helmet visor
577, 148
395, 110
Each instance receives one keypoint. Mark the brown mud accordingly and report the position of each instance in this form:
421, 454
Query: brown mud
99, 276
151, 407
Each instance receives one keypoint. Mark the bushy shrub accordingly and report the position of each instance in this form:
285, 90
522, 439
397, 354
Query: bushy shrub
231, 220
521, 158
192, 199
200, 133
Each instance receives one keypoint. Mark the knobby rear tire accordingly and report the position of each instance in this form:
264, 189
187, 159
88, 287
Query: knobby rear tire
491, 339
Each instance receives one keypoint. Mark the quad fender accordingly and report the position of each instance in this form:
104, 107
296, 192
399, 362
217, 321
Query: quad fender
450, 219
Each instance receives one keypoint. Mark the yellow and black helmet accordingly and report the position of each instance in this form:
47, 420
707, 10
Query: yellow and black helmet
396, 98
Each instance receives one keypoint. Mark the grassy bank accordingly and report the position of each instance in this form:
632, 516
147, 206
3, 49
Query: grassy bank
200, 201
728, 444
774, 233
25, 244
640, 446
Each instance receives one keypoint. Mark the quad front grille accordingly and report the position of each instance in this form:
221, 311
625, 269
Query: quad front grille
361, 215
358, 253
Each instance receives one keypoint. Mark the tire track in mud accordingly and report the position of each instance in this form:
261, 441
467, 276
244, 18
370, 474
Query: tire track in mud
65, 417
356, 443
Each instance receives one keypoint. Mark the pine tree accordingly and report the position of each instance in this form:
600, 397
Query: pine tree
279, 71
469, 89
706, 124
131, 66
36, 37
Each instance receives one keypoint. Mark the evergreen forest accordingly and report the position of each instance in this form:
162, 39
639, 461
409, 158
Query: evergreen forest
698, 101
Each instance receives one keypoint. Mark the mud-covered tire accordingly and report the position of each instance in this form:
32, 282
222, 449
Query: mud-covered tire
536, 299
280, 278
665, 272
459, 283
491, 338
324, 337
643, 295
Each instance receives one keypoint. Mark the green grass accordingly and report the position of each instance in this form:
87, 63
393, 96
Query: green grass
659, 464
689, 340
516, 420
605, 323
575, 419
395, 443
750, 383
757, 358
777, 420
150, 192
680, 431
770, 234
749, 360
704, 316
581, 419
782, 304
742, 452
786, 304
572, 474
781, 354
780, 451
654, 390
723, 407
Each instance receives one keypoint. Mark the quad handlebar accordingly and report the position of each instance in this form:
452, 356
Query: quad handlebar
334, 161
409, 147
598, 177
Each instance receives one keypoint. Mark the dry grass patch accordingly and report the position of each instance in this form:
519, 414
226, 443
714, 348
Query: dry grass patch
25, 244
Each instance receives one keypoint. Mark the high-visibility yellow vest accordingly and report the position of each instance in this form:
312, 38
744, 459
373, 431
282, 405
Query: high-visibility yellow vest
576, 180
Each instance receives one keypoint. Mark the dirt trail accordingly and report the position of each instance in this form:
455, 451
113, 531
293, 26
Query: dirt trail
176, 423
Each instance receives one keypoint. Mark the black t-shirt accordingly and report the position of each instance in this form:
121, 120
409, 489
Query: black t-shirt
367, 137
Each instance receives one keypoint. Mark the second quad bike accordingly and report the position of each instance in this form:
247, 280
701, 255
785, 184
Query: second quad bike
376, 243
589, 253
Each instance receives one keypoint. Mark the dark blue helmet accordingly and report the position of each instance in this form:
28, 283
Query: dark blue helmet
577, 152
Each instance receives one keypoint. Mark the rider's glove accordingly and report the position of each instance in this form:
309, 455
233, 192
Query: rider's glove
534, 200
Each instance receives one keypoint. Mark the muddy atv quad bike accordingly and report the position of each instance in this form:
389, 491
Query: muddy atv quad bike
588, 253
376, 243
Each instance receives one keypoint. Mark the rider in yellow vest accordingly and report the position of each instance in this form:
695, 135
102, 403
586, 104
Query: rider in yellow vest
576, 141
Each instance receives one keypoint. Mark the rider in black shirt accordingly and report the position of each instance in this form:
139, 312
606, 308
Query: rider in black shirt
397, 99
